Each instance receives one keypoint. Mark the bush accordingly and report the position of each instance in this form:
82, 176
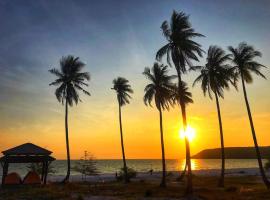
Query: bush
37, 167
148, 193
86, 166
267, 164
80, 197
131, 173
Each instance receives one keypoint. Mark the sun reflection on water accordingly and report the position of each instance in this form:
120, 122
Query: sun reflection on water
194, 164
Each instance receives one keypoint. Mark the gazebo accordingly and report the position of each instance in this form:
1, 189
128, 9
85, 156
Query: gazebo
27, 153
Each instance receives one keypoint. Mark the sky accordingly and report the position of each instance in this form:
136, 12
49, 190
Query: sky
120, 38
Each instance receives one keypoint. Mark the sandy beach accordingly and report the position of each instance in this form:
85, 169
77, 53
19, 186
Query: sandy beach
156, 176
240, 183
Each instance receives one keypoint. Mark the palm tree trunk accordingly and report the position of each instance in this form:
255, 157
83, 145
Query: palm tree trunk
126, 179
189, 189
66, 179
259, 158
163, 181
182, 175
221, 179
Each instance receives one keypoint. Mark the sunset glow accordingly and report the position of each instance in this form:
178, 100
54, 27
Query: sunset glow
121, 41
193, 164
190, 133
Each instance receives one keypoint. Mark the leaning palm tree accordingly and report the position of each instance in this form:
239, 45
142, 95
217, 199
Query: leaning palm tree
70, 80
214, 76
181, 49
180, 91
243, 59
159, 90
123, 91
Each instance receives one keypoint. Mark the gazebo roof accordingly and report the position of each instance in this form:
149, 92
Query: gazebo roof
27, 149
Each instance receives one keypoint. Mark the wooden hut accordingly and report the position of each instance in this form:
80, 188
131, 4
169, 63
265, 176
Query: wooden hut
26, 153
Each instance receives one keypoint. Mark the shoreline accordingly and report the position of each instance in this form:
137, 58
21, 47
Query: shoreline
146, 176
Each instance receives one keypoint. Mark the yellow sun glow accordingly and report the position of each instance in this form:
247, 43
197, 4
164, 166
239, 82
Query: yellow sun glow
193, 164
189, 133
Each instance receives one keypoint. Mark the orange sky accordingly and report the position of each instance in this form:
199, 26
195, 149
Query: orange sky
120, 41
94, 127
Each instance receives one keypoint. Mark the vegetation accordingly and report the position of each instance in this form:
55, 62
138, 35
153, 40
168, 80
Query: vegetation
131, 173
267, 165
70, 80
37, 167
123, 91
214, 76
160, 90
244, 64
86, 166
240, 188
181, 49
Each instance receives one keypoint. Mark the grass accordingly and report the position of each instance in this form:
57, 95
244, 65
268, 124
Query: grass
240, 188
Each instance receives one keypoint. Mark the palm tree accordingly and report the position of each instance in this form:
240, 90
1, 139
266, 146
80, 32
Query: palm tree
214, 76
159, 90
183, 97
70, 80
243, 59
181, 49
123, 89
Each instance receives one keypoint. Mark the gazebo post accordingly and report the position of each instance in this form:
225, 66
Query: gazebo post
46, 172
5, 172
43, 171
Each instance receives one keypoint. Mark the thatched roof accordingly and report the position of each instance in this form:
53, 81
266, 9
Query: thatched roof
27, 149
26, 159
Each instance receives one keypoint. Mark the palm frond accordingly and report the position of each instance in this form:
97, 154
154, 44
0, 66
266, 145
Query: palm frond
70, 79
123, 89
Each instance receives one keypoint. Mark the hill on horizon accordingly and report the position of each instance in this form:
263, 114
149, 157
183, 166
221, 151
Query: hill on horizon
233, 153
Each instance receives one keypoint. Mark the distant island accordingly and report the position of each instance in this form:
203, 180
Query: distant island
233, 153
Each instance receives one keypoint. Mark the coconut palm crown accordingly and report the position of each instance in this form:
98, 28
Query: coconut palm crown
216, 75
182, 93
180, 47
243, 57
160, 88
70, 80
123, 90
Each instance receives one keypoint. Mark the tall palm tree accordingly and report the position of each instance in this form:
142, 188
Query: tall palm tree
243, 58
181, 49
123, 91
214, 76
70, 80
183, 97
159, 90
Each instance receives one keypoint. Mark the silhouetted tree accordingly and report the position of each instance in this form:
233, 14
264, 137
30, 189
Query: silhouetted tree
86, 166
181, 49
243, 59
70, 80
123, 91
159, 90
214, 76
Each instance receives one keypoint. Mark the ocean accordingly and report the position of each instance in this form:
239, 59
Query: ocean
144, 165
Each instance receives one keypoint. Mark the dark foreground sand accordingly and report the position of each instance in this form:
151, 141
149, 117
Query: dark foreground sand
240, 184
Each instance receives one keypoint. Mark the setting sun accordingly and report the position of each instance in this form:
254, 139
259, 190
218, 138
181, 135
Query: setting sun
189, 133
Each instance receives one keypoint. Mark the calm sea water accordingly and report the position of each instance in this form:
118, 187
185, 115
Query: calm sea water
111, 166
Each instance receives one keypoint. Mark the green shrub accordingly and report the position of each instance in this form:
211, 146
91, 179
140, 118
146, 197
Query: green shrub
131, 173
267, 164
86, 166
148, 193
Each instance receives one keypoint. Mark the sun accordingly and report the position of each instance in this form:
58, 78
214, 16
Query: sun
189, 133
